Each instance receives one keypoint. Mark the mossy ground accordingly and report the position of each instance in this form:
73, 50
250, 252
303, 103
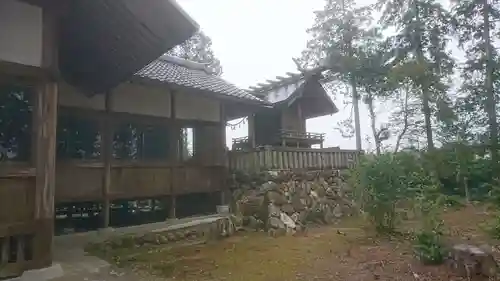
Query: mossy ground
348, 251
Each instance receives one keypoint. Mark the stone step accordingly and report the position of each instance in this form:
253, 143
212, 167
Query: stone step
198, 230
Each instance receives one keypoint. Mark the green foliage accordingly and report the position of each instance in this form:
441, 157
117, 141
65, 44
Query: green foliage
384, 182
476, 26
198, 49
462, 167
493, 228
428, 245
494, 192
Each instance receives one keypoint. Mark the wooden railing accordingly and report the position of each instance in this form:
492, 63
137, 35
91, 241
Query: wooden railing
286, 158
284, 136
288, 134
240, 143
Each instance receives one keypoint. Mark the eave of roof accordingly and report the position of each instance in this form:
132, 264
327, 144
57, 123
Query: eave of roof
264, 89
104, 42
188, 76
284, 91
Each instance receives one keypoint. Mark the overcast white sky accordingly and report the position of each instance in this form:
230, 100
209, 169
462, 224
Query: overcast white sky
256, 40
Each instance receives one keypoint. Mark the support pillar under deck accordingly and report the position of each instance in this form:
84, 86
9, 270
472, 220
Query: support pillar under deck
45, 157
107, 154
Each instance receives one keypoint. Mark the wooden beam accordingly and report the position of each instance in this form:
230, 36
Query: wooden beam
20, 71
176, 148
107, 155
251, 130
223, 121
45, 159
45, 112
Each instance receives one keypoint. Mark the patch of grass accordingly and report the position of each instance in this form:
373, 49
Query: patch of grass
251, 256
348, 251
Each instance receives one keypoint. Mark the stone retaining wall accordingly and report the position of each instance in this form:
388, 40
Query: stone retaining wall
286, 202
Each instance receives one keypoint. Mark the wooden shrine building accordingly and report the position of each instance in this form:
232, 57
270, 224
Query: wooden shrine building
90, 111
294, 99
278, 138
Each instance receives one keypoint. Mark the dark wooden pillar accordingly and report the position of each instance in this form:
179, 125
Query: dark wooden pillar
107, 157
251, 130
175, 155
45, 160
44, 154
223, 154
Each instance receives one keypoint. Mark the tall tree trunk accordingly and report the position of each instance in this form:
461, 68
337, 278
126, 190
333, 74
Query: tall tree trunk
357, 122
488, 85
355, 96
373, 117
424, 85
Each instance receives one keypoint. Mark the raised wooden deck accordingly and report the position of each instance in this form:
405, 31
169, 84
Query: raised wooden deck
286, 158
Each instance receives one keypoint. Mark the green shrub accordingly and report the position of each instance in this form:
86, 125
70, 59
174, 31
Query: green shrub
492, 228
388, 183
428, 246
381, 183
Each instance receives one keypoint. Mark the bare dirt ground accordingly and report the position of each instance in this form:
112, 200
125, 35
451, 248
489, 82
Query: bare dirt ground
346, 252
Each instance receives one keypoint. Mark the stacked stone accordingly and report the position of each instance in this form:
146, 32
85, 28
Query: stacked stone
285, 202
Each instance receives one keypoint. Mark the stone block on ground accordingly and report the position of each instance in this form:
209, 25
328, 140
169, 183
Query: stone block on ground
469, 260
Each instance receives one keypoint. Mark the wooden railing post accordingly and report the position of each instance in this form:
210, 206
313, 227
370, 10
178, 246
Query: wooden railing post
268, 158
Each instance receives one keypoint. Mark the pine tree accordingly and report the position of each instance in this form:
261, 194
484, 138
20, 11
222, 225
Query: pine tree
419, 49
476, 25
338, 34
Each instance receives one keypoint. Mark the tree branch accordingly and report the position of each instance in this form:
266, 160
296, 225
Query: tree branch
405, 126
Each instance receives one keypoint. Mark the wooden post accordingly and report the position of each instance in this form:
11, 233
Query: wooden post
251, 130
175, 151
45, 159
44, 154
107, 155
223, 153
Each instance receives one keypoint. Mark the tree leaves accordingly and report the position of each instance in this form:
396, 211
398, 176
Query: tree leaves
198, 49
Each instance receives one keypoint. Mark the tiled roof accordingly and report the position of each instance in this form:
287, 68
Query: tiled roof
180, 72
